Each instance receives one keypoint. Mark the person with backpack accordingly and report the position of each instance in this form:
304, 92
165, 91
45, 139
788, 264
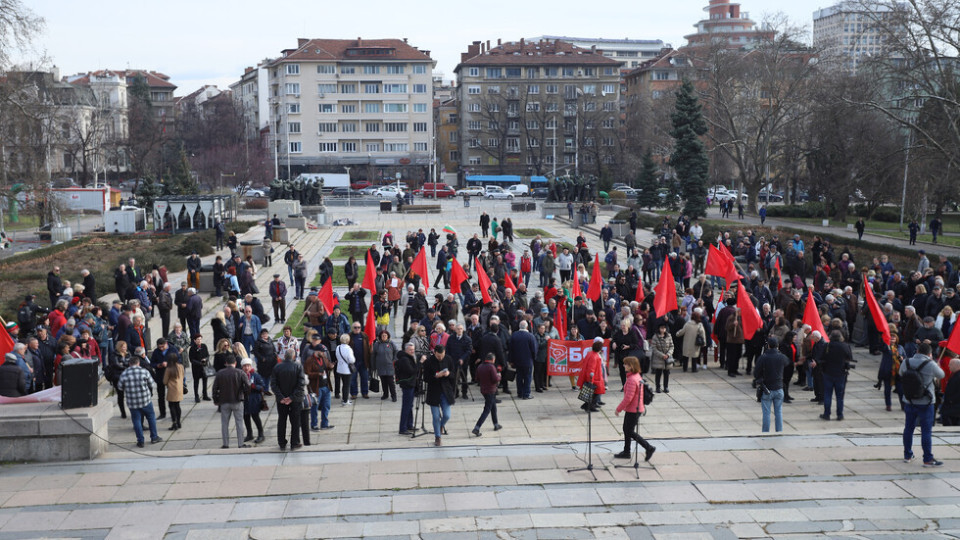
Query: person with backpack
635, 398
917, 375
834, 365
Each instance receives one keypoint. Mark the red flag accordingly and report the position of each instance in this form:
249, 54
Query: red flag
370, 276
640, 296
732, 274
717, 265
776, 265
748, 313
878, 319
954, 342
484, 282
508, 282
561, 319
575, 292
6, 343
665, 299
812, 317
371, 326
713, 325
596, 280
326, 296
457, 276
419, 268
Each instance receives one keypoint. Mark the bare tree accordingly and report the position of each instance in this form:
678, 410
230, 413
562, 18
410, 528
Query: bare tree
19, 26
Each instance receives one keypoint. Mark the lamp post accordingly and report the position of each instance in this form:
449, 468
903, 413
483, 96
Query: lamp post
349, 189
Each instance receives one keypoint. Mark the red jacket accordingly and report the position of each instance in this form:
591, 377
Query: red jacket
526, 265
592, 364
56, 320
488, 377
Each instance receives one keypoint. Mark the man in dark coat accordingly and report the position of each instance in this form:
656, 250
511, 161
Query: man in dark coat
523, 351
89, 285
54, 285
439, 374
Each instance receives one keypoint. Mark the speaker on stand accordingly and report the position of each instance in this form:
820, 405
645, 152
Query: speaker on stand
79, 378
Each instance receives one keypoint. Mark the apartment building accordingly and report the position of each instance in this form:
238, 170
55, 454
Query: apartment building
366, 104
631, 52
252, 93
540, 107
852, 31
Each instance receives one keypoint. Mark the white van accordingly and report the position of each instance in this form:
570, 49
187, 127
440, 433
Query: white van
519, 190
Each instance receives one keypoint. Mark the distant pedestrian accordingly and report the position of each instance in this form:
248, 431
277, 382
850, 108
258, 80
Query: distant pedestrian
914, 230
763, 214
860, 226
936, 227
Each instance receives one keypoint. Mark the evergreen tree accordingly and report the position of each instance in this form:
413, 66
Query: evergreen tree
179, 181
647, 182
689, 158
147, 192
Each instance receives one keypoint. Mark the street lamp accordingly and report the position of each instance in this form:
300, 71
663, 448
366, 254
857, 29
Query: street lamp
349, 189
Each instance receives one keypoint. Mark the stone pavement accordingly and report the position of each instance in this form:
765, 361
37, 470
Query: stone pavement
714, 474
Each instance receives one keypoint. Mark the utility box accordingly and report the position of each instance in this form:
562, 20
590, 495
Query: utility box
124, 221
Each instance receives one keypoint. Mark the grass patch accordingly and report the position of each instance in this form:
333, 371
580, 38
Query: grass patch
339, 278
27, 221
297, 314
531, 233
345, 252
360, 236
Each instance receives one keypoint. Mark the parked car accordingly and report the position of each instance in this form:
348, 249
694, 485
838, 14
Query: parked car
620, 186
519, 190
766, 196
473, 191
497, 192
629, 191
343, 192
369, 190
360, 185
436, 190
256, 193
388, 192
540, 193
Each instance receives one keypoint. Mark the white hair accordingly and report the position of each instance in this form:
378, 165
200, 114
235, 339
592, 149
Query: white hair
815, 334
523, 325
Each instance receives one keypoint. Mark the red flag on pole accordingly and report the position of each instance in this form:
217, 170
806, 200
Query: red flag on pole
326, 296
640, 296
717, 265
812, 317
419, 268
457, 276
576, 285
665, 299
561, 318
370, 276
732, 274
596, 280
878, 319
954, 342
484, 282
371, 326
6, 343
776, 265
508, 282
748, 313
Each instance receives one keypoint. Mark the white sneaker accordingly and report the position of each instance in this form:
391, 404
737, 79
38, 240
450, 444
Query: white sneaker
348, 403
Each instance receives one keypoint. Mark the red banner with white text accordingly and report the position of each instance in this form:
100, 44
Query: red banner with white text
565, 357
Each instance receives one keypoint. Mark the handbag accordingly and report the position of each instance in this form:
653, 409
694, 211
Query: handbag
208, 371
586, 392
375, 385
509, 374
263, 405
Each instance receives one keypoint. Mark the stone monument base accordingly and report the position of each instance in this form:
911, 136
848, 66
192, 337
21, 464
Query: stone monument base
553, 209
44, 432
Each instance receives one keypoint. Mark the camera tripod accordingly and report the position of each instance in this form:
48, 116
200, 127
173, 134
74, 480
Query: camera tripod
419, 408
636, 456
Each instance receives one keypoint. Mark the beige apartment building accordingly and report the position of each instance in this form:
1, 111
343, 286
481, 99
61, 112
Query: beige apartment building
852, 31
366, 104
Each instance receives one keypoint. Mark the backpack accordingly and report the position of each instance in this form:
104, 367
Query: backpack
911, 382
647, 394
25, 317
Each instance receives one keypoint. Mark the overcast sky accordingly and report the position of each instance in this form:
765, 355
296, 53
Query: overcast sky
211, 41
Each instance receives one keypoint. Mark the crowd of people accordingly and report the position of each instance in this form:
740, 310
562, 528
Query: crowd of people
492, 336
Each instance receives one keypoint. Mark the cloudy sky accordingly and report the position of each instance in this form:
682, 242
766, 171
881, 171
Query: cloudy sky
210, 41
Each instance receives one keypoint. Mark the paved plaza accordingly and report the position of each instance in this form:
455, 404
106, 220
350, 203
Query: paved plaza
714, 474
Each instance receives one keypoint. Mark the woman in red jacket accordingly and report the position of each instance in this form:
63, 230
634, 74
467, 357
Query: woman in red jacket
633, 404
591, 370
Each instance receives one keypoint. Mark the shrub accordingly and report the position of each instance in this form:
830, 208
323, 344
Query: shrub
888, 214
259, 203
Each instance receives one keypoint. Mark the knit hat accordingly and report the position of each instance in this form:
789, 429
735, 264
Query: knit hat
11, 326
246, 362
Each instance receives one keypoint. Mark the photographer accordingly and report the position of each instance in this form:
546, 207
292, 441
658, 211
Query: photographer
408, 375
768, 374
440, 375
836, 362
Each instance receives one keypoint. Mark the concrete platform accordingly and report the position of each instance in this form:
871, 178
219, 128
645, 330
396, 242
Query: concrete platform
45, 432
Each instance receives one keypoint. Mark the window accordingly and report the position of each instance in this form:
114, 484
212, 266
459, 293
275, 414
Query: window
293, 127
292, 89
608, 71
326, 69
474, 125
550, 72
473, 107
533, 142
610, 106
548, 160
588, 141
568, 72
533, 89
419, 107
420, 127
608, 141
348, 127
68, 161
590, 106
474, 161
473, 72
348, 109
550, 124
609, 89
394, 107
590, 89
394, 89
661, 75
532, 125
513, 144
493, 107
608, 123
568, 143
493, 143
373, 147
395, 127
371, 127
419, 147
395, 70
327, 127
494, 73
295, 147
327, 147
371, 88
348, 147
474, 143
513, 91
293, 108
293, 69
348, 88
589, 72
553, 89
473, 89
514, 73
419, 89
326, 89
454, 155
419, 69
533, 106
552, 106
533, 73
493, 89
371, 70
346, 70
327, 108
452, 137
396, 147
371, 108
570, 91
551, 142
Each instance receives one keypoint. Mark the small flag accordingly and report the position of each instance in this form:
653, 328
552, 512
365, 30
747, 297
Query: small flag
419, 267
449, 230
665, 299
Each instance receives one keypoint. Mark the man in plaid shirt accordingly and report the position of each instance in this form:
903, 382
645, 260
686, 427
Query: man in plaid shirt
137, 387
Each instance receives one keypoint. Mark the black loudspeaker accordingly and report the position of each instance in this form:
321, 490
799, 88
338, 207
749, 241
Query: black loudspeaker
79, 377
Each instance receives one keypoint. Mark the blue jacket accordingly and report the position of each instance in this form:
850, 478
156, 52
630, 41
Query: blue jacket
523, 349
341, 325
254, 324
